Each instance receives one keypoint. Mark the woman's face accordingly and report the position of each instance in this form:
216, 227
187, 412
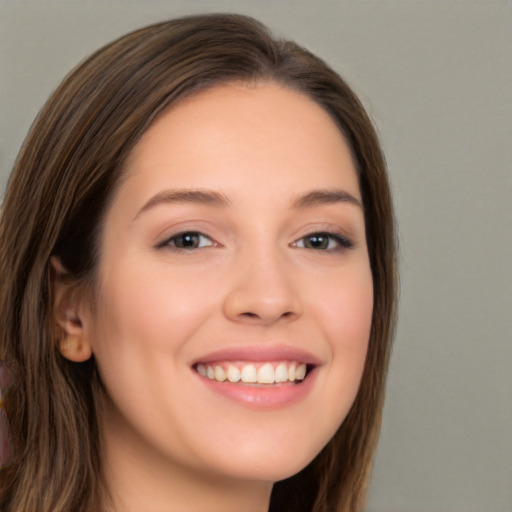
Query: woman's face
233, 251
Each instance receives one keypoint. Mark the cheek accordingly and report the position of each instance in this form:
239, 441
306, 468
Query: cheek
345, 317
344, 308
151, 307
146, 316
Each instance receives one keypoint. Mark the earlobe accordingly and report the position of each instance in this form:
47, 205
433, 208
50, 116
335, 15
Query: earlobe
75, 348
68, 315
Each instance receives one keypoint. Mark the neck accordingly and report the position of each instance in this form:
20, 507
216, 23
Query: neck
138, 478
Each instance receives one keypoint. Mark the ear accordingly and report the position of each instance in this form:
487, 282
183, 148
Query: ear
69, 314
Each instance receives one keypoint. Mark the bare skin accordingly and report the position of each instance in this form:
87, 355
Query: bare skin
237, 240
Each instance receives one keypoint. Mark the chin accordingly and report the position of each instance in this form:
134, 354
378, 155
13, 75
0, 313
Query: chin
269, 462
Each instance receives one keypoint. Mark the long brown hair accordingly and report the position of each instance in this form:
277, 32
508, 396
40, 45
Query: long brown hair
65, 176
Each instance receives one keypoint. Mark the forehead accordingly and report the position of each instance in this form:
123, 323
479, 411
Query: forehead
255, 132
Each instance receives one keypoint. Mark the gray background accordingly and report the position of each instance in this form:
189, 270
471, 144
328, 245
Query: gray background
437, 79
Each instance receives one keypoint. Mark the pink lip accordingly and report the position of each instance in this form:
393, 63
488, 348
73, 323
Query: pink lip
262, 397
260, 354
271, 397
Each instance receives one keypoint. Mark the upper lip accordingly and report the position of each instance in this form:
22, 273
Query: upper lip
260, 354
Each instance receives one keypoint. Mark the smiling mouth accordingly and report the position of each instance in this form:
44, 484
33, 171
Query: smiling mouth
255, 374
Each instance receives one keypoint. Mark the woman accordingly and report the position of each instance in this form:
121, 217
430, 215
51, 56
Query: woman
198, 281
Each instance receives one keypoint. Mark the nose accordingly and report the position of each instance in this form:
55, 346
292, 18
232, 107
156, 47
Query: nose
262, 292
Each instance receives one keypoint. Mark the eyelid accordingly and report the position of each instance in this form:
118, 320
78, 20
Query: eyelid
341, 238
165, 243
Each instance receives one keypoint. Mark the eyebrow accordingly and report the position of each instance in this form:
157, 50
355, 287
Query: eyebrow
207, 197
212, 198
321, 197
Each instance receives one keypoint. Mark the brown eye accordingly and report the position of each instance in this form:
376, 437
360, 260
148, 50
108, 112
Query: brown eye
317, 241
324, 242
188, 240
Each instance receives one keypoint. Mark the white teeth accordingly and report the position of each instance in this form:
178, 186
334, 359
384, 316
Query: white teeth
281, 373
300, 372
233, 374
259, 373
219, 373
266, 374
249, 374
291, 372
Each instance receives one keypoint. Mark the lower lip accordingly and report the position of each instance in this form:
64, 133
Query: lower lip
263, 397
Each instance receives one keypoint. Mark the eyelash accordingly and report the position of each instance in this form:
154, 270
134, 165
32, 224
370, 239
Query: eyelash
168, 242
341, 241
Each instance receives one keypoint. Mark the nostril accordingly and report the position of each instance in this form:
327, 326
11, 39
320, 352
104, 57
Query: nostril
250, 315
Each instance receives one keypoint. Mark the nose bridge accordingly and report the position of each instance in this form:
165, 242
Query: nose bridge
262, 289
